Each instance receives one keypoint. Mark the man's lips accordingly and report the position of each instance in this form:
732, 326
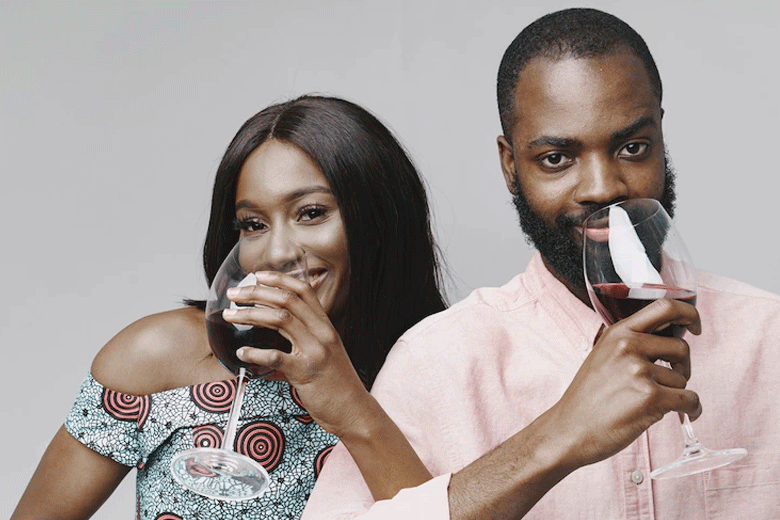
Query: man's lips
597, 234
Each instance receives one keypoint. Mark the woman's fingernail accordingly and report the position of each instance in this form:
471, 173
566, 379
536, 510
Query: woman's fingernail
232, 292
229, 312
240, 352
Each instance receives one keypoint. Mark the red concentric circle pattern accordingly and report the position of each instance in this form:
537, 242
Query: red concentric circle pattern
296, 397
216, 397
263, 442
196, 469
126, 407
320, 459
207, 436
304, 418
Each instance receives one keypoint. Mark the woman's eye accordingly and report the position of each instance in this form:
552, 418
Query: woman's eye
249, 225
312, 212
635, 149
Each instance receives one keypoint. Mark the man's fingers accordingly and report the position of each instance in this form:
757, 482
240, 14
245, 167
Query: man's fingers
666, 376
686, 401
665, 312
674, 351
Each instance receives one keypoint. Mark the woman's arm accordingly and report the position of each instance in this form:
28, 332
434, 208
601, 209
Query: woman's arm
384, 456
328, 386
71, 482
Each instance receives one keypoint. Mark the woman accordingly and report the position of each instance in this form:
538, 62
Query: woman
315, 169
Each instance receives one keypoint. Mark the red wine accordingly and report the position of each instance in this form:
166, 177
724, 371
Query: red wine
225, 339
615, 301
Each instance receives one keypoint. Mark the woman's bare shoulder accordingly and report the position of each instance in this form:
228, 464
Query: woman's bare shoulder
158, 352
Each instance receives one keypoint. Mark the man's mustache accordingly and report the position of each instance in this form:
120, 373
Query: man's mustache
569, 221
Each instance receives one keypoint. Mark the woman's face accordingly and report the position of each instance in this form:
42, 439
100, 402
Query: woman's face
282, 197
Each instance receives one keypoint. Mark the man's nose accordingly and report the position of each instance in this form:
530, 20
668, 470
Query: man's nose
600, 182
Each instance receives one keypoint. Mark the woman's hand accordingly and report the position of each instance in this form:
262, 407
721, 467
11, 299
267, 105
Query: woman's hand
328, 386
318, 365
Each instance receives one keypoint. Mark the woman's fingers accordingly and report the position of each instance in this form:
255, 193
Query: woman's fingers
281, 320
286, 283
270, 358
289, 306
281, 291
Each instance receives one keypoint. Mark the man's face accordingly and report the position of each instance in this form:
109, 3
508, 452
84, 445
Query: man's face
587, 133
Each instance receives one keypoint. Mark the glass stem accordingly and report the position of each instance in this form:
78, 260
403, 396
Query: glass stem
691, 442
690, 438
235, 411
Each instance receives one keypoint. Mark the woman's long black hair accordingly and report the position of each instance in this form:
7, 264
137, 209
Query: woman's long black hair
395, 279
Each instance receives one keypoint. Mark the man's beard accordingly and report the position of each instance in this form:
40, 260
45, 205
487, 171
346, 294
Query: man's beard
557, 243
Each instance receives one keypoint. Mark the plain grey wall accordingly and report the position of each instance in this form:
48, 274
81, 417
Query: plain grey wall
115, 115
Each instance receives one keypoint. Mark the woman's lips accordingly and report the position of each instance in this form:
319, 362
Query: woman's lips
316, 276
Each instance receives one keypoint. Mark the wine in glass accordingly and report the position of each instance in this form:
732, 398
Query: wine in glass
632, 256
222, 473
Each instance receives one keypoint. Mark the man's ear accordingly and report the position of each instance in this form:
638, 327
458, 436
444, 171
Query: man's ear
507, 157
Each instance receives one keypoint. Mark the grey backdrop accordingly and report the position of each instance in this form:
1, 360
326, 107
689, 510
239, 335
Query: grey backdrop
114, 117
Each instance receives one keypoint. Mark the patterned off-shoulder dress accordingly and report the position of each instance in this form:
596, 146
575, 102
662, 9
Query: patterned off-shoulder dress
147, 431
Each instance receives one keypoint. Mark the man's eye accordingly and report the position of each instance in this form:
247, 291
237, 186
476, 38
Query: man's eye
635, 149
554, 160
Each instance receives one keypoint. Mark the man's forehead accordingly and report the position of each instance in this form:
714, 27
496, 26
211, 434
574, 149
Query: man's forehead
569, 95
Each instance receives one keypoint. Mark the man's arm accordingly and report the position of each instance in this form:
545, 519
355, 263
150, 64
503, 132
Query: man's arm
617, 394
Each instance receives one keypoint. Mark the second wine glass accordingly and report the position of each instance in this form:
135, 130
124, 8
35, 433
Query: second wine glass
632, 256
222, 473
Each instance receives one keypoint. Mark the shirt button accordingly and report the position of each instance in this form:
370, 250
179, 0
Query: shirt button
637, 477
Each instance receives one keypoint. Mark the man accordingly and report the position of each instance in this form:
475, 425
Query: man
517, 399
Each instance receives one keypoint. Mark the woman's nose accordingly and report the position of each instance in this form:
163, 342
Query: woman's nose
281, 251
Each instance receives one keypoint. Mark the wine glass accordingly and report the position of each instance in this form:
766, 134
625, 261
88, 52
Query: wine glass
222, 473
632, 256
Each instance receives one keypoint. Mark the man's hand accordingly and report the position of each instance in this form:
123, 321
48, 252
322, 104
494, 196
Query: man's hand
619, 391
617, 394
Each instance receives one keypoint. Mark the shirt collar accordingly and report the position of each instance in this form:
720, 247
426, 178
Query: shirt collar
578, 321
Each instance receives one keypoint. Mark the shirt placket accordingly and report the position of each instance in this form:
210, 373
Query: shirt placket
634, 464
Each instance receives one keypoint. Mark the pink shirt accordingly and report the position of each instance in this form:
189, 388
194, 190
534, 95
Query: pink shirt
463, 381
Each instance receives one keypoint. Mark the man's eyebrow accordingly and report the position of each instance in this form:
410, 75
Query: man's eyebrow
555, 142
567, 142
633, 128
293, 195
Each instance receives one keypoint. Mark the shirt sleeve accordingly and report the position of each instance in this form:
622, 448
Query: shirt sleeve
341, 493
107, 421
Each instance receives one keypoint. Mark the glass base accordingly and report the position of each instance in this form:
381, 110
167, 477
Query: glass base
219, 474
698, 459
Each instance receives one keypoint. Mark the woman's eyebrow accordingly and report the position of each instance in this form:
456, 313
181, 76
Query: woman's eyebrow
293, 195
